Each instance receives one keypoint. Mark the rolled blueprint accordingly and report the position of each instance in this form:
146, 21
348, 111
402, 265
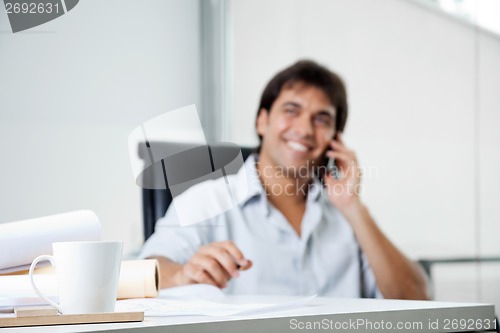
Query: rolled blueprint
138, 279
23, 241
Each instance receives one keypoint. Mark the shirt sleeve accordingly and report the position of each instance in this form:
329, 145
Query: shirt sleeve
173, 241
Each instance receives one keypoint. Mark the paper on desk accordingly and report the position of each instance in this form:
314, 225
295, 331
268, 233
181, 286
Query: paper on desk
162, 307
202, 291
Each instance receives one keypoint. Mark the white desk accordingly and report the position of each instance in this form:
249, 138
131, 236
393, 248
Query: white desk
322, 311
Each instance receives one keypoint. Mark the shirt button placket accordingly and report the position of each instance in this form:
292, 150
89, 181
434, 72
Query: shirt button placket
301, 265
307, 280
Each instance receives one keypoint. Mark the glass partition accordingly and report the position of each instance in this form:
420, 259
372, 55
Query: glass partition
423, 112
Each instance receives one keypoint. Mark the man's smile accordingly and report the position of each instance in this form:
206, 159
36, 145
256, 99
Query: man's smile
298, 146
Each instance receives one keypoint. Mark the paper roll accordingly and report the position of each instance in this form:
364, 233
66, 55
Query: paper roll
27, 239
139, 279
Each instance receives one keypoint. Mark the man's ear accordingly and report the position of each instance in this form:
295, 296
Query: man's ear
262, 121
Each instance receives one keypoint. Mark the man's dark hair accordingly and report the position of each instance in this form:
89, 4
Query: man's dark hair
309, 73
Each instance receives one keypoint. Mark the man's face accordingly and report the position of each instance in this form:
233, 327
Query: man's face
297, 130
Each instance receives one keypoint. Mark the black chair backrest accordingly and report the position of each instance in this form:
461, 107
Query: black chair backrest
155, 202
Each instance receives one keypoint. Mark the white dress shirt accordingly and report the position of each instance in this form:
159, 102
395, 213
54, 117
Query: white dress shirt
325, 260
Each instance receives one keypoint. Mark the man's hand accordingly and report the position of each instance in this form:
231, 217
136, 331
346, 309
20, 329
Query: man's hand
397, 276
343, 192
215, 264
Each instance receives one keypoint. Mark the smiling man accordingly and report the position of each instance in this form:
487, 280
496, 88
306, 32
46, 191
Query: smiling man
301, 229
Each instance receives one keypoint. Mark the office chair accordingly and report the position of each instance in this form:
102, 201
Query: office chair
155, 200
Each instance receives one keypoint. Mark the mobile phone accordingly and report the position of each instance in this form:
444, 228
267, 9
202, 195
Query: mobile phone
331, 166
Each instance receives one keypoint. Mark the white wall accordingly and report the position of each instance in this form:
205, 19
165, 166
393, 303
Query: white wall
72, 90
411, 80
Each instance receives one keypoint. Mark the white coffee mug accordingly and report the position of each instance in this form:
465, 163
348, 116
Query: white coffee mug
87, 276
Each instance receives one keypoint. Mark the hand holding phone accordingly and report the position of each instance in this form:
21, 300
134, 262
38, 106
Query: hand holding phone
331, 168
342, 186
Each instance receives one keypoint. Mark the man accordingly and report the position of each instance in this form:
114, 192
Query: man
300, 229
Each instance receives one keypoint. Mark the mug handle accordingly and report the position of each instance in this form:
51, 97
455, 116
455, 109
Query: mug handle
38, 292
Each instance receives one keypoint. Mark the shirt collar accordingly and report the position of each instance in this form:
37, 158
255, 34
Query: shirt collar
315, 190
248, 185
